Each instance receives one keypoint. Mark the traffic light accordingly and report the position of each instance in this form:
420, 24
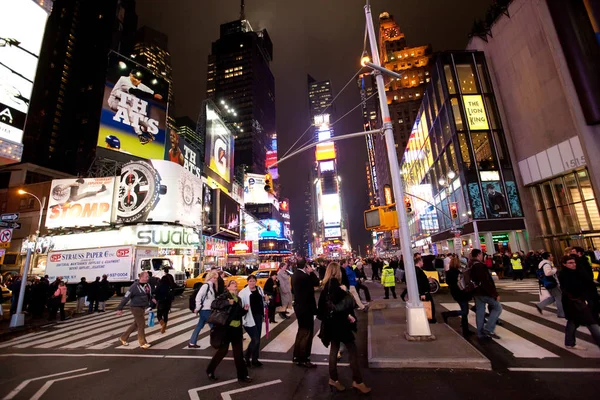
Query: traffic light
268, 183
408, 205
453, 210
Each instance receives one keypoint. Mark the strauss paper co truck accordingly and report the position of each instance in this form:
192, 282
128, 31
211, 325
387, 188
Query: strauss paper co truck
121, 264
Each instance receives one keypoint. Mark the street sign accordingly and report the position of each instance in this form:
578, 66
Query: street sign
6, 235
4, 245
9, 217
4, 224
14, 225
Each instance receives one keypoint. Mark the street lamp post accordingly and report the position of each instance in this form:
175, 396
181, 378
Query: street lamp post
18, 319
416, 316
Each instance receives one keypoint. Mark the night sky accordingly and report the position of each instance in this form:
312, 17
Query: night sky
323, 38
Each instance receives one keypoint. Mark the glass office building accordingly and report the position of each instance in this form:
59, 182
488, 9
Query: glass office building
456, 166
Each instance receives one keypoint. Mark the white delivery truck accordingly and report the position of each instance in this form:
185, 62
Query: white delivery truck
121, 264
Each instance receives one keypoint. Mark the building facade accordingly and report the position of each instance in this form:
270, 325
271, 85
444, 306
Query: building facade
544, 59
151, 50
62, 125
239, 73
456, 167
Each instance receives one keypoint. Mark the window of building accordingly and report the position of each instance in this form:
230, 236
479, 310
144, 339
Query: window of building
483, 151
457, 116
449, 80
466, 78
26, 203
464, 151
483, 78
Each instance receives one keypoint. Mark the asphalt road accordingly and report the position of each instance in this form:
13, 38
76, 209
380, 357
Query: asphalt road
88, 363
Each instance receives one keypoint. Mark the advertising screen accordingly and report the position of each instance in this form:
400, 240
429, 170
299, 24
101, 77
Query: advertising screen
332, 215
208, 210
134, 110
475, 111
325, 151
326, 166
20, 44
80, 202
160, 191
219, 145
271, 225
229, 215
177, 150
270, 160
241, 247
333, 232
254, 190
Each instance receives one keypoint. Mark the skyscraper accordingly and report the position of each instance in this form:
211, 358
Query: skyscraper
239, 74
371, 121
152, 51
403, 94
187, 128
62, 124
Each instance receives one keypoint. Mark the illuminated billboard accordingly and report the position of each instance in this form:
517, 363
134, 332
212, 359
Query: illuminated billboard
134, 110
254, 190
158, 191
333, 232
326, 166
330, 204
180, 152
475, 111
22, 25
270, 160
241, 247
219, 146
325, 151
80, 202
229, 215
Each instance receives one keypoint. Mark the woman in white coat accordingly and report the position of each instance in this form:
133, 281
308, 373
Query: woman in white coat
285, 290
253, 296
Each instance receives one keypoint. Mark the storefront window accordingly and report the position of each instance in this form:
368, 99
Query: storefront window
467, 79
483, 78
586, 186
502, 152
572, 189
548, 199
483, 151
445, 125
539, 205
592, 209
456, 111
464, 151
449, 80
452, 155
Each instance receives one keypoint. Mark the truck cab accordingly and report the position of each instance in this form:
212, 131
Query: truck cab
160, 267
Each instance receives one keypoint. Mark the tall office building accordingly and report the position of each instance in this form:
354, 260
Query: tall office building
63, 120
152, 51
239, 74
187, 128
371, 120
319, 98
403, 94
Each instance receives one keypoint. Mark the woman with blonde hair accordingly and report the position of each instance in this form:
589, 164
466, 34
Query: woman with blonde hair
336, 311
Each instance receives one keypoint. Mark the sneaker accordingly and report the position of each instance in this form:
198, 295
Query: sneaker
576, 347
493, 335
145, 346
193, 346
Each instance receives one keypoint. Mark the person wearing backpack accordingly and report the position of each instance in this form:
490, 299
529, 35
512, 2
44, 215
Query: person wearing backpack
546, 274
485, 293
202, 300
461, 297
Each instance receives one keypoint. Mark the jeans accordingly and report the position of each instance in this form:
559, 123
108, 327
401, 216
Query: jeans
304, 337
352, 353
253, 350
495, 309
203, 317
139, 324
555, 296
571, 329
93, 306
233, 336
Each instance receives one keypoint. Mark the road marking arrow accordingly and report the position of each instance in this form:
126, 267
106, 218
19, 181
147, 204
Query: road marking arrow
194, 392
28, 381
227, 395
47, 385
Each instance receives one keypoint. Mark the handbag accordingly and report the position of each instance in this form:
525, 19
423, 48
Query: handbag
219, 317
151, 319
427, 305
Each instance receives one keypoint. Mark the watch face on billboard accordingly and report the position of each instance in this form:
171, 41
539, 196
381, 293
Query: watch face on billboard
134, 110
219, 142
22, 24
160, 191
80, 202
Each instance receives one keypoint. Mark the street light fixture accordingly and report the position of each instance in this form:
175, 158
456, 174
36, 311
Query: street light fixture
18, 319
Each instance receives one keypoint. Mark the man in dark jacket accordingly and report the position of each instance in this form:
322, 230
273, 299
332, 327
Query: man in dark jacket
81, 292
485, 293
104, 294
304, 281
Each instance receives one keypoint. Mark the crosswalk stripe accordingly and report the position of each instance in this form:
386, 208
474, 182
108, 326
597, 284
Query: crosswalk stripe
517, 345
533, 311
548, 334
284, 341
157, 336
69, 337
101, 318
29, 336
80, 320
114, 335
182, 338
110, 334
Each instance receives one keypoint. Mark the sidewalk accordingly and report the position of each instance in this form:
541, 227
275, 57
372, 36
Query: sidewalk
388, 347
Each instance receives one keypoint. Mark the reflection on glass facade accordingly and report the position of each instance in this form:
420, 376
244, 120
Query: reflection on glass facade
458, 135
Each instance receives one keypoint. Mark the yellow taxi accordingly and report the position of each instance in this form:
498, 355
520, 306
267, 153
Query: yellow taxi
196, 282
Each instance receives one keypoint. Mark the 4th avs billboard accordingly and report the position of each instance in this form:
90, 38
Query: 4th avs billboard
134, 110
